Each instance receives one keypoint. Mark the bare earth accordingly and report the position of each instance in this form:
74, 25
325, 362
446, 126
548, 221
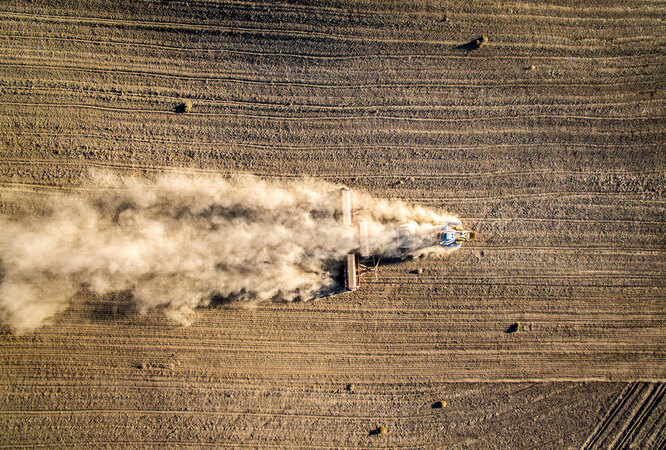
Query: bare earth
548, 141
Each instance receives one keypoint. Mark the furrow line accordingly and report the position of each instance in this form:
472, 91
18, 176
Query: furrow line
514, 107
174, 25
288, 414
97, 21
567, 249
380, 14
560, 219
560, 195
568, 117
649, 80
364, 57
415, 327
445, 281
220, 332
305, 33
97, 443
364, 147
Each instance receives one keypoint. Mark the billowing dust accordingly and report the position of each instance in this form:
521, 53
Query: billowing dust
180, 242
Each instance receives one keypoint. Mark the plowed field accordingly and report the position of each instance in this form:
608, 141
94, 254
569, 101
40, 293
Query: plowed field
548, 141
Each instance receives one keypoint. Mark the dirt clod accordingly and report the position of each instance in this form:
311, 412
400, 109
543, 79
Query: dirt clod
480, 42
379, 430
184, 107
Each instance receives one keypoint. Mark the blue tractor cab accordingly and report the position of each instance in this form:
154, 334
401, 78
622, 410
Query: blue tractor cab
452, 236
447, 238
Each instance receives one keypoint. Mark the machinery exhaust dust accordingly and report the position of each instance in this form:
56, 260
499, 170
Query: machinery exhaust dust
180, 241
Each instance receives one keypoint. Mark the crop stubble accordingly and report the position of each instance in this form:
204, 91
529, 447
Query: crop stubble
559, 168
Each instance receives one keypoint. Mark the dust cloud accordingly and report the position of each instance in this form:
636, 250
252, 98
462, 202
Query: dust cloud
184, 241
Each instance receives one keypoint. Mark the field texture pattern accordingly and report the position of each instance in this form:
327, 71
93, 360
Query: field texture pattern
548, 141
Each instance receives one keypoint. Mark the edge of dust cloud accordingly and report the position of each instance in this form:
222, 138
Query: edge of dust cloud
181, 241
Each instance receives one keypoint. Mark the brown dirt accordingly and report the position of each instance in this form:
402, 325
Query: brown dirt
560, 168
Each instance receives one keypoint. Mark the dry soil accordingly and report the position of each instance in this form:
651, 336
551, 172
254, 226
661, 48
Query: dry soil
548, 141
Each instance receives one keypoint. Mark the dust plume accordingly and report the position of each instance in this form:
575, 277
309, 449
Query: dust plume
180, 242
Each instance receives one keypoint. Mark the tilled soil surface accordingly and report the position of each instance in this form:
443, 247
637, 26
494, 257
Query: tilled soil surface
547, 141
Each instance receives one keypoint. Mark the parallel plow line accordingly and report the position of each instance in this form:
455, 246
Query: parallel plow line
648, 79
364, 57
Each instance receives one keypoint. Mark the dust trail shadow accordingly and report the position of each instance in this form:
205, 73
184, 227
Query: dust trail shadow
111, 307
88, 307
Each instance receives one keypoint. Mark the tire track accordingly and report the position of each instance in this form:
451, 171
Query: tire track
339, 11
384, 147
160, 26
649, 82
374, 117
309, 33
167, 443
576, 20
158, 444
563, 220
364, 57
592, 274
559, 195
403, 355
635, 425
617, 430
628, 318
655, 436
556, 10
566, 248
548, 281
517, 108
627, 393
268, 414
